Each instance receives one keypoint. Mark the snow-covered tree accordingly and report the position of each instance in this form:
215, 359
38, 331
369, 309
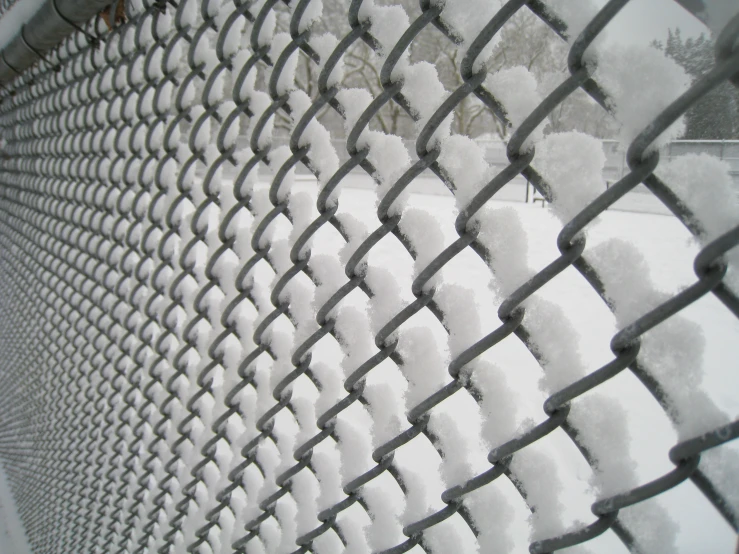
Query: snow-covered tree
525, 41
716, 115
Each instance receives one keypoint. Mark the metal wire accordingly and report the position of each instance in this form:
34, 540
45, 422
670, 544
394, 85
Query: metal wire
131, 272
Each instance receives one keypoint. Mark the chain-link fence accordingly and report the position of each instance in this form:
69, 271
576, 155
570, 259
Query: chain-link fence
203, 353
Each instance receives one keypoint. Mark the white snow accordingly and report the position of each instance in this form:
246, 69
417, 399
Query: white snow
721, 465
417, 498
673, 350
356, 540
286, 81
600, 422
278, 157
651, 526
326, 465
641, 82
388, 23
354, 101
422, 230
575, 13
464, 161
425, 92
356, 338
463, 454
704, 184
235, 37
501, 231
443, 538
355, 448
266, 33
499, 403
543, 487
424, 366
460, 317
357, 232
468, 18
324, 45
387, 301
304, 489
672, 353
493, 516
556, 344
311, 14
385, 530
623, 270
572, 164
516, 89
328, 275
386, 410
389, 156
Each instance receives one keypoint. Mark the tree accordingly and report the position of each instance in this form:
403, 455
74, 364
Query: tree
716, 115
524, 40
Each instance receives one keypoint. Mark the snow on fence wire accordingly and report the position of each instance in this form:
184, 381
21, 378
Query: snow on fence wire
192, 363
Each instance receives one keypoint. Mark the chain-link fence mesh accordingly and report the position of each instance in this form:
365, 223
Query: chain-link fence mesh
200, 353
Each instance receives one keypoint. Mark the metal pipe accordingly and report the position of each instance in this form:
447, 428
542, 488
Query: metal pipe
53, 22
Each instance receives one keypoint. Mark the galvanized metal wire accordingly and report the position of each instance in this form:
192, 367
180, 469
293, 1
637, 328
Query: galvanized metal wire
129, 272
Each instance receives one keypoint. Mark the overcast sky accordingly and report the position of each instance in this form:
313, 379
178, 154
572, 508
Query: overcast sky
642, 21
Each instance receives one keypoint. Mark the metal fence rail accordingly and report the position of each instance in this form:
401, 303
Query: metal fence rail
6, 5
147, 400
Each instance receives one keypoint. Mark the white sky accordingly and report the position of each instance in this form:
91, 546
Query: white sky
642, 21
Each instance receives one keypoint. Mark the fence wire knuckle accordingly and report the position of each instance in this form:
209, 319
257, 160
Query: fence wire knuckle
154, 294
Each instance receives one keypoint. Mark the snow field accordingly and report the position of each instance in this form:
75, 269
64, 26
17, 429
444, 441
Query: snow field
632, 452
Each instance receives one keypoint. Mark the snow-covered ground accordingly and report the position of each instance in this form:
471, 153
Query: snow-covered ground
669, 251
